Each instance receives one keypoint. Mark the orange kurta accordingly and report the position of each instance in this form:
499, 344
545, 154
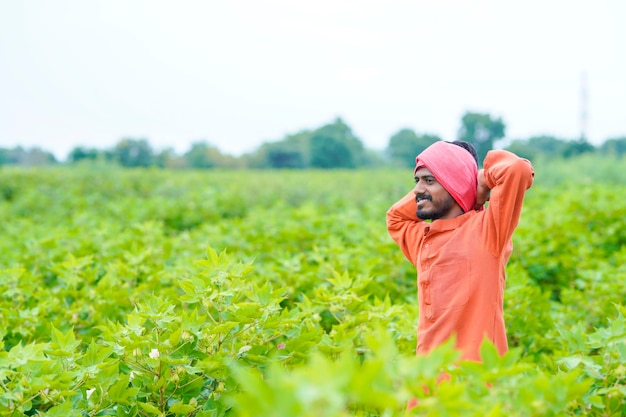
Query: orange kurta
461, 262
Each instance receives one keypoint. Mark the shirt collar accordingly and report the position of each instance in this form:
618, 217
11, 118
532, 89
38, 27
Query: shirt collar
442, 225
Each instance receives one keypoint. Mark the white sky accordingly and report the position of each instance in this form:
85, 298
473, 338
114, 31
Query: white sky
237, 73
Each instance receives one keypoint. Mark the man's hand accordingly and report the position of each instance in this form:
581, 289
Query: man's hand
482, 191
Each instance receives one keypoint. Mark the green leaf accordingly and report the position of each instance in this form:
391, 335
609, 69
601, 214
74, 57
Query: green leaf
150, 408
180, 408
212, 256
489, 355
223, 327
120, 391
174, 337
65, 409
65, 342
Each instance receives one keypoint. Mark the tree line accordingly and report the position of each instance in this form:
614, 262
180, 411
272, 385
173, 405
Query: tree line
333, 145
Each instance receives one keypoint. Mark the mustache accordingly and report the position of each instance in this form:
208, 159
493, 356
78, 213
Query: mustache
423, 197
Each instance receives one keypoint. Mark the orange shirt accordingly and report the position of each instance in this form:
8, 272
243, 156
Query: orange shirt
461, 262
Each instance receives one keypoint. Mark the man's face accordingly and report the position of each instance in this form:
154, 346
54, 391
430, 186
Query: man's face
433, 201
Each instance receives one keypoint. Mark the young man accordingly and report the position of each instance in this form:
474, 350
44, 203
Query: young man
459, 248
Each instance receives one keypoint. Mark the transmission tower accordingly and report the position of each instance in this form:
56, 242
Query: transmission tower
584, 102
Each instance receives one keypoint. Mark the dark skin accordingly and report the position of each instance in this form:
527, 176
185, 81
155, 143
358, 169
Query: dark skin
482, 191
435, 202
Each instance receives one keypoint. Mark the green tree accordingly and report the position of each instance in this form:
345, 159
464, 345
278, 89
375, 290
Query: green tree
133, 153
335, 146
284, 158
202, 155
38, 156
577, 147
405, 145
6, 156
329, 152
374, 158
80, 153
614, 146
549, 146
26, 157
292, 153
481, 130
167, 158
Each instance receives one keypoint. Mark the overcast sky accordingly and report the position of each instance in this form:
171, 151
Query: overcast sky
237, 73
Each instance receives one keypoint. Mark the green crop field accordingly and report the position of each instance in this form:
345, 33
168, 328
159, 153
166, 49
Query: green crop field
280, 293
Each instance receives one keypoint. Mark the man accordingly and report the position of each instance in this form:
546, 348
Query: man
459, 248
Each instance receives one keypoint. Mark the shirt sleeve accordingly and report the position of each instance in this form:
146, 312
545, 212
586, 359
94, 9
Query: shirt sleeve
404, 226
508, 176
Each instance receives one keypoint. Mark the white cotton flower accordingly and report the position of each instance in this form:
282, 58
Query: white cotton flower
89, 392
154, 353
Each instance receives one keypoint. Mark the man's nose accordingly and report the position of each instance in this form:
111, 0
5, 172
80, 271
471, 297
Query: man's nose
419, 188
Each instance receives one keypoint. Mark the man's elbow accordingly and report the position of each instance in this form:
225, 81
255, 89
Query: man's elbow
527, 171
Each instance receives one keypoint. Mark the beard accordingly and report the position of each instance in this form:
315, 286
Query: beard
438, 209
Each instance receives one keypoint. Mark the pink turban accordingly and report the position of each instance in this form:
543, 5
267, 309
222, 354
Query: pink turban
455, 169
